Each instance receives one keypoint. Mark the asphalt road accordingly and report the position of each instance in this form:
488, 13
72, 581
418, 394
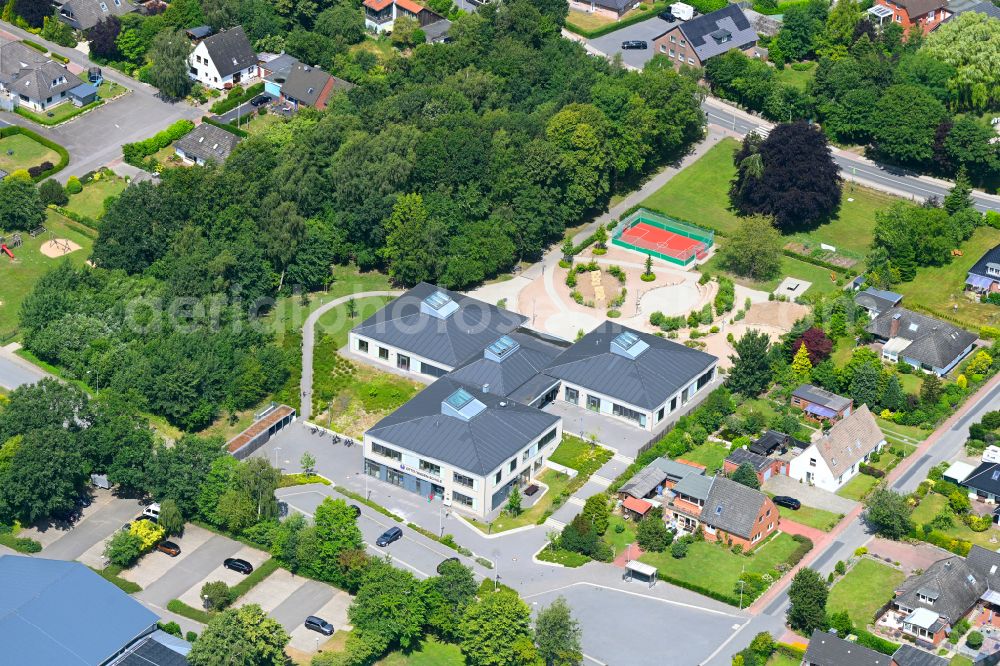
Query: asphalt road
93, 529
15, 372
292, 612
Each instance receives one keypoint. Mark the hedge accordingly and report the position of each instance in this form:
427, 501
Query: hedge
191, 613
20, 544
780, 9
135, 153
877, 643
88, 223
730, 599
35, 45
372, 505
63, 59
792, 651
618, 25
110, 574
225, 126
51, 145
816, 262
871, 471
49, 122
230, 103
805, 545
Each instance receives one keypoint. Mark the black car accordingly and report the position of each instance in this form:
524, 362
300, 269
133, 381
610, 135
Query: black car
356, 509
260, 99
787, 502
667, 16
444, 562
390, 535
320, 625
144, 517
84, 501
238, 565
634, 44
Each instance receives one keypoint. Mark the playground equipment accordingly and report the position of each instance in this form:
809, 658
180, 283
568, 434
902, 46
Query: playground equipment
37, 232
6, 250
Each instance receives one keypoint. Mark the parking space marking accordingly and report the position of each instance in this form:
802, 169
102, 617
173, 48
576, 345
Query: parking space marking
192, 596
155, 565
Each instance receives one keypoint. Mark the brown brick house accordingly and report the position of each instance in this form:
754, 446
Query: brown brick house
725, 510
928, 14
703, 37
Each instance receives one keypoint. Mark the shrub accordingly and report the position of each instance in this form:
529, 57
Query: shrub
73, 185
871, 471
51, 191
679, 548
123, 549
974, 640
171, 628
190, 637
217, 595
148, 533
236, 97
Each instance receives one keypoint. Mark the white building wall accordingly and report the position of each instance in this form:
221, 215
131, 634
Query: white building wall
372, 355
801, 469
208, 73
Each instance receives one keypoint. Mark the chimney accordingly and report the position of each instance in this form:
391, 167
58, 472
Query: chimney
894, 325
486, 388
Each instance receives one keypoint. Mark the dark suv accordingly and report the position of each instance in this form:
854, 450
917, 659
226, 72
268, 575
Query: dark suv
667, 16
634, 44
320, 625
787, 502
390, 535
238, 565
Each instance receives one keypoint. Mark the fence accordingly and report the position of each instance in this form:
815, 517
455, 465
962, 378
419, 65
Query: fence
705, 238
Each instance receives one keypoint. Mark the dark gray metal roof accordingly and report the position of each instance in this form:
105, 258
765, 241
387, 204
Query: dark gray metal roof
877, 300
991, 256
647, 381
826, 649
55, 612
199, 32
732, 507
957, 586
695, 485
509, 375
909, 655
644, 482
819, 396
478, 445
152, 651
208, 142
230, 51
985, 477
932, 341
730, 19
741, 455
88, 13
451, 341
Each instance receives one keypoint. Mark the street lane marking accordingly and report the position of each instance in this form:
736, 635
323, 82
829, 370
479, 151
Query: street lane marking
726, 642
634, 594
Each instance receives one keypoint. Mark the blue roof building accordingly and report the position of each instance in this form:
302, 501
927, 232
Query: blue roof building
55, 612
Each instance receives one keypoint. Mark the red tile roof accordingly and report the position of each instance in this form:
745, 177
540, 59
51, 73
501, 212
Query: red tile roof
410, 6
637, 505
377, 5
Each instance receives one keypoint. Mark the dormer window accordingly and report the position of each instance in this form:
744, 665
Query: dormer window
104, 7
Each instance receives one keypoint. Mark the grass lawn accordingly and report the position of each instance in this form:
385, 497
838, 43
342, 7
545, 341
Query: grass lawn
858, 487
592, 21
382, 48
90, 202
567, 558
896, 433
56, 114
289, 312
336, 322
111, 90
717, 568
819, 277
710, 454
863, 590
941, 288
619, 540
779, 659
933, 504
796, 78
430, 653
843, 348
26, 153
256, 123
18, 277
807, 515
959, 660
556, 481
580, 455
887, 460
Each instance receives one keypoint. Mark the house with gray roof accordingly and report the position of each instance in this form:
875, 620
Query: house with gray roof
85, 14
613, 9
223, 60
206, 143
836, 457
431, 331
723, 509
920, 340
32, 79
927, 605
56, 612
629, 375
828, 649
877, 301
645, 483
310, 86
695, 41
465, 446
984, 276
820, 404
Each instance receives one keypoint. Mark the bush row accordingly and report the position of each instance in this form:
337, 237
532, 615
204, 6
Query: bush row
236, 98
135, 153
730, 599
35, 45
45, 120
877, 643
372, 505
232, 129
51, 145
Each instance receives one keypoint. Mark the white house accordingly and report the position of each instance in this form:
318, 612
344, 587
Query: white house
223, 60
835, 458
32, 79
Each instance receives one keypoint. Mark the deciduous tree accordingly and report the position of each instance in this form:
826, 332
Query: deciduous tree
169, 72
103, 37
558, 634
807, 594
887, 513
746, 475
243, 636
751, 371
21, 209
496, 631
754, 249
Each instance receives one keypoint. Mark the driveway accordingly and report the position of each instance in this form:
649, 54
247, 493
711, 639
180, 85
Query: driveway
809, 495
206, 559
15, 371
611, 44
92, 530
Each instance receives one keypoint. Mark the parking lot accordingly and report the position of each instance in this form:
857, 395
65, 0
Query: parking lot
647, 30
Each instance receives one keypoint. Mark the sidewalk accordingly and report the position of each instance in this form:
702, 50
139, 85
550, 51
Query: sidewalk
820, 546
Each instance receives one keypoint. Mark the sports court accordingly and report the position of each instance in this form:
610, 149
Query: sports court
663, 237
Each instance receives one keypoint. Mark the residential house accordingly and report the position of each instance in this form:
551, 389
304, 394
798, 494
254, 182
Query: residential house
85, 14
223, 60
310, 86
772, 442
909, 655
274, 68
612, 9
877, 301
694, 42
57, 612
676, 470
820, 404
647, 482
431, 331
922, 341
983, 483
928, 14
764, 467
635, 377
206, 143
380, 15
835, 458
33, 80
984, 276
828, 649
725, 510
464, 446
927, 605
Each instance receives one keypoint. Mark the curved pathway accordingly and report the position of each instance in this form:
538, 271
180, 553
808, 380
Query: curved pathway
309, 341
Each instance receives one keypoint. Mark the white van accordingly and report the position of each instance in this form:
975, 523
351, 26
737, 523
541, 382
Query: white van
152, 511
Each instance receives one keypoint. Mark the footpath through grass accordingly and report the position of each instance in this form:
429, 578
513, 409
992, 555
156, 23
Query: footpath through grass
863, 590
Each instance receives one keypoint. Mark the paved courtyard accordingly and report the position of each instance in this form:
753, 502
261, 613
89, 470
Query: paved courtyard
809, 495
611, 44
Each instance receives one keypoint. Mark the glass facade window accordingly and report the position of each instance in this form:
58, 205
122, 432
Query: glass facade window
383, 353
386, 451
462, 480
499, 475
363, 346
403, 362
430, 468
572, 395
513, 465
432, 370
464, 500
394, 477
630, 414
547, 437
593, 403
